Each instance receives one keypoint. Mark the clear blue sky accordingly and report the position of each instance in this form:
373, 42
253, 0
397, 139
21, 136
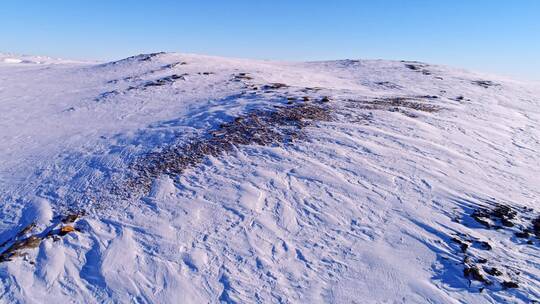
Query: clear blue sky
501, 36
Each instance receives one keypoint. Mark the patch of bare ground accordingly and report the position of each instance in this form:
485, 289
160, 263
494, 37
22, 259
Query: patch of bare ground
521, 225
18, 245
165, 80
399, 104
259, 127
242, 76
388, 85
485, 83
417, 67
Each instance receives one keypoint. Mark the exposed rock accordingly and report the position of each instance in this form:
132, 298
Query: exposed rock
509, 284
484, 83
258, 127
474, 273
65, 230
493, 271
522, 234
273, 86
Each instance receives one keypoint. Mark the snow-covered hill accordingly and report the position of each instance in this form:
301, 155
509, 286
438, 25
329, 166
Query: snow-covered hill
197, 179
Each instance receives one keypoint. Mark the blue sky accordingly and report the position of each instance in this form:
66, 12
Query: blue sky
501, 36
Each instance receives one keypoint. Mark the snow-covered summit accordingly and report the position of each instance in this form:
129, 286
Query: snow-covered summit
186, 178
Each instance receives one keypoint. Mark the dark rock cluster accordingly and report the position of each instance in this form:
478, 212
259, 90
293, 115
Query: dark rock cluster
260, 127
518, 222
485, 83
399, 104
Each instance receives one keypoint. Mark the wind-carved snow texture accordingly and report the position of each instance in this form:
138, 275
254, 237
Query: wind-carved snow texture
204, 179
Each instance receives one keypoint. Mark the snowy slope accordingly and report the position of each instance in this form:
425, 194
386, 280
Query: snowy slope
200, 179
